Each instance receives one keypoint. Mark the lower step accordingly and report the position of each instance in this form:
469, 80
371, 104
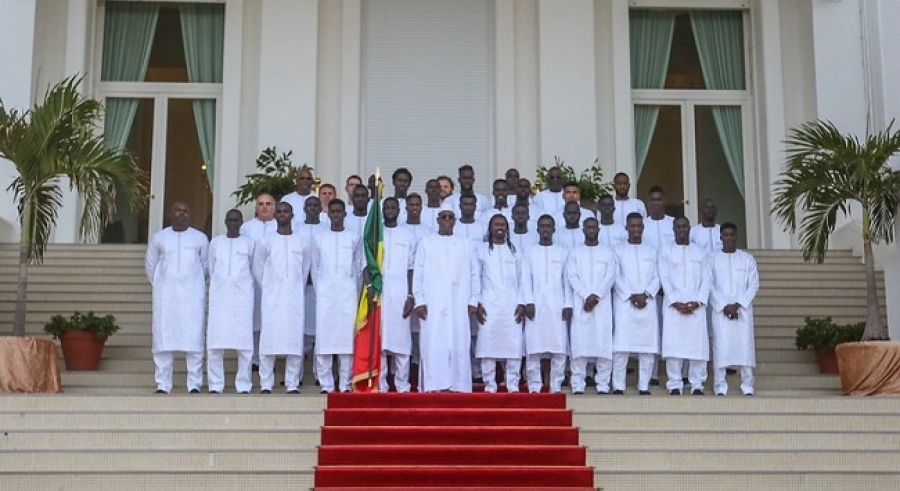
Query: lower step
453, 476
452, 455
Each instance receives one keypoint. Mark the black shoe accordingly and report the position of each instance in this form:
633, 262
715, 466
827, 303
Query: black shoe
282, 383
720, 395
685, 380
578, 393
214, 392
618, 392
730, 371
244, 392
323, 391
160, 391
697, 392
254, 367
477, 380
644, 392
265, 391
293, 391
674, 392
317, 382
748, 394
654, 382
629, 371
195, 391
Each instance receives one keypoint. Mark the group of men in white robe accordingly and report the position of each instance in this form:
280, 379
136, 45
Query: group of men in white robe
573, 287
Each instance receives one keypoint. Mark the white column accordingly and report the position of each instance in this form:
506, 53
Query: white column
227, 175
287, 86
504, 87
527, 106
766, 26
619, 113
351, 91
16, 50
567, 87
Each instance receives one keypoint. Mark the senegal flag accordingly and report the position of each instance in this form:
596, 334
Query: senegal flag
367, 336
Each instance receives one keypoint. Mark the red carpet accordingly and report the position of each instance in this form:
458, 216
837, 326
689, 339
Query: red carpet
439, 441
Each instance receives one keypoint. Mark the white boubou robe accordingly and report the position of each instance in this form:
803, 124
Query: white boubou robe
707, 238
626, 207
637, 330
735, 280
337, 271
523, 242
685, 277
568, 238
297, 201
591, 270
231, 293
548, 202
545, 286
499, 291
282, 264
176, 265
258, 230
612, 235
307, 230
443, 279
473, 232
399, 254
659, 233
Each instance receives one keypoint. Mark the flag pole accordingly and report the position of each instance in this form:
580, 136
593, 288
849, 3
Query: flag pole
378, 187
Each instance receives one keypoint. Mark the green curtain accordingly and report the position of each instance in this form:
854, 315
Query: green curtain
651, 44
719, 36
203, 29
127, 40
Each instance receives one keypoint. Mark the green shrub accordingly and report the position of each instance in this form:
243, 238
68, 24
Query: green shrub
823, 334
103, 327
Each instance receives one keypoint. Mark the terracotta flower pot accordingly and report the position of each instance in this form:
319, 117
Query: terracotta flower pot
827, 361
81, 350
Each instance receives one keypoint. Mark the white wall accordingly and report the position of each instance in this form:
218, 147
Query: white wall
287, 70
16, 63
568, 118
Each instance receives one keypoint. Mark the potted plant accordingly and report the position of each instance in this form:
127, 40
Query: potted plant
82, 337
822, 335
276, 176
590, 182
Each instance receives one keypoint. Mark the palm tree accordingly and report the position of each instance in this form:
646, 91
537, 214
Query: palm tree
58, 138
826, 172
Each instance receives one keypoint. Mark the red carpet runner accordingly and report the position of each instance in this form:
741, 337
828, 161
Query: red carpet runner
440, 441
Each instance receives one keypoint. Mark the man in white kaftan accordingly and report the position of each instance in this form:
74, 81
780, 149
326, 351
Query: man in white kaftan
685, 277
569, 234
501, 306
304, 182
176, 265
337, 273
523, 234
443, 278
396, 298
260, 227
707, 234
307, 228
231, 299
734, 286
625, 205
550, 200
281, 264
636, 317
548, 308
612, 234
591, 272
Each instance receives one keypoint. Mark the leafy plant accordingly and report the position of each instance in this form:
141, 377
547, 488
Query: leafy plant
590, 181
823, 334
102, 327
58, 138
276, 176
825, 173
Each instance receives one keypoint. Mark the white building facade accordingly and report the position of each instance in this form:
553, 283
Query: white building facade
693, 95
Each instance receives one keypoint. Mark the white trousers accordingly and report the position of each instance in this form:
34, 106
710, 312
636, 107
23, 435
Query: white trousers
581, 369
620, 367
489, 372
400, 369
720, 385
293, 366
696, 373
215, 370
533, 372
165, 362
325, 373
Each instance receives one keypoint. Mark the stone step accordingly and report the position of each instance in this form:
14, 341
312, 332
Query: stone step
192, 420
759, 422
724, 461
678, 440
175, 461
297, 479
198, 440
818, 480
